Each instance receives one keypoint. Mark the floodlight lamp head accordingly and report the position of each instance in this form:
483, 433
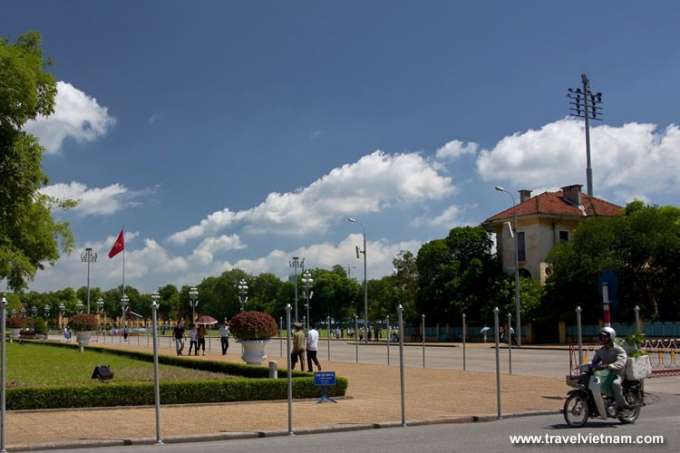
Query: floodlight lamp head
351, 219
499, 189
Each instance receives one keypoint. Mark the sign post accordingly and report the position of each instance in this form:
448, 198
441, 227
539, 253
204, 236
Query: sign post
356, 339
464, 335
400, 311
509, 334
387, 321
325, 380
579, 335
498, 364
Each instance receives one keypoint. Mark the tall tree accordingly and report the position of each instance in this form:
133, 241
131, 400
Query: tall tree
29, 236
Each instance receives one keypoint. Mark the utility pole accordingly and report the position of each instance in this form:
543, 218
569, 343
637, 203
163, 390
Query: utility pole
587, 105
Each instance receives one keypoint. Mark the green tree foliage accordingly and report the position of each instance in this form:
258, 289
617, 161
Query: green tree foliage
458, 274
29, 237
642, 247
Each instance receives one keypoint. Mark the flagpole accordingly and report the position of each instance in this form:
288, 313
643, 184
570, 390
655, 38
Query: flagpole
124, 311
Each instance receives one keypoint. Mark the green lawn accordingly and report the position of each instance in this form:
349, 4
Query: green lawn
31, 365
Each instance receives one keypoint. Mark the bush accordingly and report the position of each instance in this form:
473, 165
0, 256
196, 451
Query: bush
83, 322
98, 395
16, 322
253, 325
40, 326
252, 384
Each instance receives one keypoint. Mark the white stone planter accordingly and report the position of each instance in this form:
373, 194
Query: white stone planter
84, 337
15, 334
253, 351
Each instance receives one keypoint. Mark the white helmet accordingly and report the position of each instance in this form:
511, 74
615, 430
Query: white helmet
611, 333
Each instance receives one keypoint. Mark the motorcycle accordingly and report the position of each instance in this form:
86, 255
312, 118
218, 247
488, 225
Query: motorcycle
593, 397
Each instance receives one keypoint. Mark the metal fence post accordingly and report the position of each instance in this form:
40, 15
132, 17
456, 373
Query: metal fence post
290, 372
498, 364
156, 375
509, 334
356, 339
400, 316
387, 321
464, 339
423, 335
579, 335
638, 325
3, 373
328, 322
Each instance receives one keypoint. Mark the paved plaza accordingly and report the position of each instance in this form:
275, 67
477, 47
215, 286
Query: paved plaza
440, 392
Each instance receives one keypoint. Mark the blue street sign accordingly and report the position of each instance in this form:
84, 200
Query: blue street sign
324, 378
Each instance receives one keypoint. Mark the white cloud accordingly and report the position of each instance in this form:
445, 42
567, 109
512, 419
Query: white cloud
325, 255
207, 249
96, 200
448, 218
455, 149
76, 115
371, 184
152, 265
631, 159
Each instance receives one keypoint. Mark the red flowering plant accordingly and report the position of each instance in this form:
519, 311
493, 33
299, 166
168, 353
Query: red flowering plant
253, 325
16, 322
83, 322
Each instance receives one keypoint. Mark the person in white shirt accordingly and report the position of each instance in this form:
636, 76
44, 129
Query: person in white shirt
312, 348
224, 336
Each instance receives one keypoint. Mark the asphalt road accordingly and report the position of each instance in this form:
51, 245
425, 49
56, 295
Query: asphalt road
479, 357
662, 417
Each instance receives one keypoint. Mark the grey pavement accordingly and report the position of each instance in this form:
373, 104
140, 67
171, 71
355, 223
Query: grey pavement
479, 357
660, 418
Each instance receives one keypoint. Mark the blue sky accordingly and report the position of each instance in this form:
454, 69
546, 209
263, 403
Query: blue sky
227, 134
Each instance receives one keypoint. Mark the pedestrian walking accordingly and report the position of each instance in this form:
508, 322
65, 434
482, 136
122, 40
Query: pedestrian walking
125, 333
224, 336
193, 340
312, 348
200, 336
178, 333
299, 345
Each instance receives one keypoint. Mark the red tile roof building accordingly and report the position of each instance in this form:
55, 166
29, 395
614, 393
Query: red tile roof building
543, 221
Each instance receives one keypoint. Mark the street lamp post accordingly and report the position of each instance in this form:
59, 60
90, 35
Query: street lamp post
34, 310
513, 231
243, 293
296, 263
80, 307
88, 256
307, 282
193, 300
363, 229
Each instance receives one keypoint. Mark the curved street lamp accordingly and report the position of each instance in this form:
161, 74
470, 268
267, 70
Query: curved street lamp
513, 234
243, 293
307, 282
193, 300
363, 229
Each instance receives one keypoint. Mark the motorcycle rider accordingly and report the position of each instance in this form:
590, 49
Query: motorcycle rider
611, 357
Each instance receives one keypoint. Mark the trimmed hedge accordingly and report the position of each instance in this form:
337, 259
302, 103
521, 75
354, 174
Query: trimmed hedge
254, 385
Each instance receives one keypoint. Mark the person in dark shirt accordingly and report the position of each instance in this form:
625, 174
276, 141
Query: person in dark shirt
178, 333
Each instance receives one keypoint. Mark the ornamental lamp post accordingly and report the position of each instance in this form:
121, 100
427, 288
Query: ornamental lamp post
296, 263
124, 301
363, 229
80, 307
100, 305
62, 309
88, 256
243, 293
515, 235
34, 310
23, 311
193, 300
307, 282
